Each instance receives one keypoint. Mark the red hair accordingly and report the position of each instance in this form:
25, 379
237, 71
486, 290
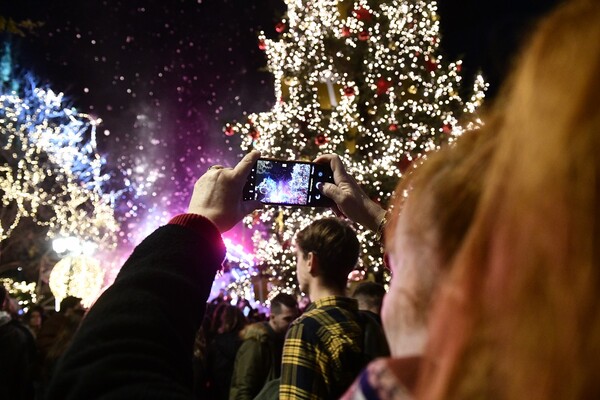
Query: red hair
519, 316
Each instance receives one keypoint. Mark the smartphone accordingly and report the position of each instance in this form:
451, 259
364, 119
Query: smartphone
288, 183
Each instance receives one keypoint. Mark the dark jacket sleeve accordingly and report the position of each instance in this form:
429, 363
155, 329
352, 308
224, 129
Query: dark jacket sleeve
136, 341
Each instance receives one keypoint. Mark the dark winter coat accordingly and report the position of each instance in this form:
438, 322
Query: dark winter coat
220, 360
17, 353
258, 361
136, 341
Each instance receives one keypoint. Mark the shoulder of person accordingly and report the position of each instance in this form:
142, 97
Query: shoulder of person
308, 325
374, 340
16, 333
256, 331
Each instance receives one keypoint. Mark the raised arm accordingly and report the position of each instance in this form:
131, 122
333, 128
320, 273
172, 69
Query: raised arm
136, 341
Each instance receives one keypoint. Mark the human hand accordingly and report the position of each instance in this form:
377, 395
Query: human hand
218, 194
350, 199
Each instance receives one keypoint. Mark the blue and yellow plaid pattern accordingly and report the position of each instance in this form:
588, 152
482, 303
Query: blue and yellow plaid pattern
323, 351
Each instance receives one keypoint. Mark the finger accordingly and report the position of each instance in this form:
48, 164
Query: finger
338, 213
331, 190
245, 165
324, 158
215, 167
332, 159
339, 171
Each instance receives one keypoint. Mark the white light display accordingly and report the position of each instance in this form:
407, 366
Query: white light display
76, 275
51, 171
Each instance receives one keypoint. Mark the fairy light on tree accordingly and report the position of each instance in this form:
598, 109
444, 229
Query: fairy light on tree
364, 79
51, 172
24, 293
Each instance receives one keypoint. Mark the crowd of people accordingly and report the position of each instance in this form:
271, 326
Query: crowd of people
32, 343
492, 243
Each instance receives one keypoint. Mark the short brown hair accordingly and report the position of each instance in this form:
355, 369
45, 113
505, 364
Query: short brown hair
282, 299
372, 293
335, 244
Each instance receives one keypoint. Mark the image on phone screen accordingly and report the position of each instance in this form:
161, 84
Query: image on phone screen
287, 183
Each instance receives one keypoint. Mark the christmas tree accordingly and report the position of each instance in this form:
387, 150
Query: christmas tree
364, 79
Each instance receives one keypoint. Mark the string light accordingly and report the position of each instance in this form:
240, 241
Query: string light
51, 171
23, 292
369, 78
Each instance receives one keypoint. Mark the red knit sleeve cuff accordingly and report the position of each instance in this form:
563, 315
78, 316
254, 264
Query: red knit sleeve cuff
197, 223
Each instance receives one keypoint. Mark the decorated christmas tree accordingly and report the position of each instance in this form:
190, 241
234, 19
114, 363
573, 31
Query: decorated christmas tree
364, 79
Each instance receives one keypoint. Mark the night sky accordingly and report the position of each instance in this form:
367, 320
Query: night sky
166, 75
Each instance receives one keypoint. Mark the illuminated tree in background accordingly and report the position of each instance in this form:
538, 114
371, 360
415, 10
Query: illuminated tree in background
363, 79
50, 171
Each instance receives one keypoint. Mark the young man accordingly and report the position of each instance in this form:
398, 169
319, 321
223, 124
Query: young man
370, 298
258, 360
324, 348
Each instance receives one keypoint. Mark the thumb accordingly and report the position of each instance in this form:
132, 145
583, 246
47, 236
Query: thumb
331, 190
334, 193
242, 169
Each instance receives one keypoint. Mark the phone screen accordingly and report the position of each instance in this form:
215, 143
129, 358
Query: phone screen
291, 183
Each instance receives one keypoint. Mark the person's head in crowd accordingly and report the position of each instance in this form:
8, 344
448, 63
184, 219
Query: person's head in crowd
518, 317
284, 310
71, 305
3, 297
8, 304
229, 318
326, 252
432, 211
369, 296
35, 317
64, 337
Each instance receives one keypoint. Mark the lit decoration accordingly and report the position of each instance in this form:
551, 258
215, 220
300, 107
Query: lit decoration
229, 130
321, 139
280, 27
51, 172
392, 95
253, 133
239, 276
77, 275
24, 293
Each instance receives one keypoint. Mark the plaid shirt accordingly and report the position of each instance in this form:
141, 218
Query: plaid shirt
323, 351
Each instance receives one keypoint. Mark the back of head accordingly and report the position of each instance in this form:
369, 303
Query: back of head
433, 211
68, 303
523, 298
37, 308
3, 295
229, 318
444, 192
283, 300
335, 244
370, 296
